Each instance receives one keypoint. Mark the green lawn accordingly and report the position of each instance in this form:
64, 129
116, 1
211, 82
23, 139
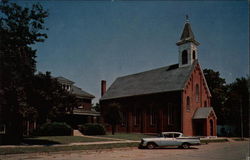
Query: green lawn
60, 140
239, 139
17, 150
128, 136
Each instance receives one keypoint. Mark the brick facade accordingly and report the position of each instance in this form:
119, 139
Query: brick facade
156, 113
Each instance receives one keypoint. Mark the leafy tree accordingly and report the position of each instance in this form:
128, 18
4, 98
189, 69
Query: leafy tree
19, 29
49, 100
218, 89
97, 107
238, 100
113, 115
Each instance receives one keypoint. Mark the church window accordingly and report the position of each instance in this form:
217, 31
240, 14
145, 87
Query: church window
184, 57
170, 113
136, 117
188, 103
124, 118
152, 117
205, 104
197, 93
194, 55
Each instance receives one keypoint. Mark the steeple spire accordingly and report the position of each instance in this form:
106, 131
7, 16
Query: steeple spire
187, 20
187, 34
187, 46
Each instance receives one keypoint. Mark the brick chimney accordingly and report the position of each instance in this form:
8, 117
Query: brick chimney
103, 87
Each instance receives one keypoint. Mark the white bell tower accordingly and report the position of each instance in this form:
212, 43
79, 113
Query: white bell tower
187, 46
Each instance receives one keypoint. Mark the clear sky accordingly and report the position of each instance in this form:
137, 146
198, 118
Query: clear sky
90, 41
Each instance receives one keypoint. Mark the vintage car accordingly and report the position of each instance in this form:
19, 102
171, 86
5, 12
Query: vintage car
169, 139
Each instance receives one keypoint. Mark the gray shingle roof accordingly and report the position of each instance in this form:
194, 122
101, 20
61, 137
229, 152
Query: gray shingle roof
64, 80
203, 112
81, 93
165, 79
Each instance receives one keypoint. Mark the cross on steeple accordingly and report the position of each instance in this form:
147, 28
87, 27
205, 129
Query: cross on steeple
187, 19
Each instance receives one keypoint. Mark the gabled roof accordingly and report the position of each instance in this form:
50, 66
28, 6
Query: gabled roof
74, 89
165, 79
187, 35
81, 93
203, 112
64, 80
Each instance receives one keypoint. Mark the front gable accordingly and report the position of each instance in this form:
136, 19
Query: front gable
203, 83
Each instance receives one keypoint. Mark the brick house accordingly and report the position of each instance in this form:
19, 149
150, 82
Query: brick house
170, 98
83, 112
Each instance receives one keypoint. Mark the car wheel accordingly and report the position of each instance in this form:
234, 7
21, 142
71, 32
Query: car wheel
185, 145
151, 145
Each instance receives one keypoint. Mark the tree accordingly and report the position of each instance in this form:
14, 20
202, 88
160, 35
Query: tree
113, 115
97, 107
49, 100
19, 29
238, 100
218, 89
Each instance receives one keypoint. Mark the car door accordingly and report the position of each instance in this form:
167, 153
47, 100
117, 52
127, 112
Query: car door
168, 139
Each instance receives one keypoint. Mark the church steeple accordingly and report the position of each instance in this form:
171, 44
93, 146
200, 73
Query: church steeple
187, 46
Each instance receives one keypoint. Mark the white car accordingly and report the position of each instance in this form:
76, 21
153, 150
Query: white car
169, 139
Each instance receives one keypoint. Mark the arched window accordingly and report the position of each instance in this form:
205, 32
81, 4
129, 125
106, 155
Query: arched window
136, 117
205, 104
152, 117
188, 103
194, 56
197, 93
184, 57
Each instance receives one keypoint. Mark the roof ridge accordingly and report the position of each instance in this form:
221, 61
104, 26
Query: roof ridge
148, 71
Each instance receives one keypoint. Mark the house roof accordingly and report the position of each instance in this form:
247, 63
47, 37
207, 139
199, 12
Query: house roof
187, 35
203, 112
165, 79
64, 80
81, 93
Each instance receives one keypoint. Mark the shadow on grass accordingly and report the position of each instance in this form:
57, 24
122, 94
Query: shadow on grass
39, 142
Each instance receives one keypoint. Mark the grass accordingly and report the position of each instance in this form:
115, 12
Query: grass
239, 139
128, 136
205, 141
18, 150
50, 140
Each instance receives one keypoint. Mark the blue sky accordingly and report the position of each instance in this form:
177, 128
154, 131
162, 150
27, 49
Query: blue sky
90, 41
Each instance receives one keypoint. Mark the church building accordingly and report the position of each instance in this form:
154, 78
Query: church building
171, 98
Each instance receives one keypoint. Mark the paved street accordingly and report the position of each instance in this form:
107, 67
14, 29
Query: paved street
212, 151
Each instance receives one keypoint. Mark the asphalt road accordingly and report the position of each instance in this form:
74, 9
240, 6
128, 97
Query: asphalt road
212, 151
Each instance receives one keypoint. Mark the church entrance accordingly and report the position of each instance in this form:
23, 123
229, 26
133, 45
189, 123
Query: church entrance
211, 127
198, 127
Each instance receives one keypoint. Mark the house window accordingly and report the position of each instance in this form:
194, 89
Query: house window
205, 103
170, 113
2, 128
197, 93
184, 57
124, 119
152, 117
194, 55
136, 117
188, 103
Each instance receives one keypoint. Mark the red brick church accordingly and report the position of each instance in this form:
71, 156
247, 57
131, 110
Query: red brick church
170, 98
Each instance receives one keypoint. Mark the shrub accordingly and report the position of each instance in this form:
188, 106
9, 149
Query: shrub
54, 129
92, 129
